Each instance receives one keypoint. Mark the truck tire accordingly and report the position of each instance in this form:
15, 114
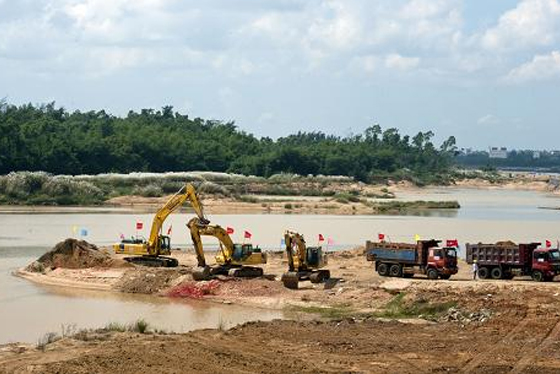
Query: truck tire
395, 270
483, 273
432, 273
383, 269
537, 276
496, 273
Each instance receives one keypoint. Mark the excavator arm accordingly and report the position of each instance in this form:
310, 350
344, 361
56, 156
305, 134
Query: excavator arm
199, 229
187, 192
293, 238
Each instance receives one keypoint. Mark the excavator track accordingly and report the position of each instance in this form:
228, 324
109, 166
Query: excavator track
319, 276
246, 272
153, 261
201, 273
290, 280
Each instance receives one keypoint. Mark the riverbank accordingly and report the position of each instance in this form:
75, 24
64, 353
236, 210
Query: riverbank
281, 193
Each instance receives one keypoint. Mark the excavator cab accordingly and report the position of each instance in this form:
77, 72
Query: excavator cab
165, 243
315, 258
243, 251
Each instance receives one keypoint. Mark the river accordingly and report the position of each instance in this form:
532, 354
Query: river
28, 311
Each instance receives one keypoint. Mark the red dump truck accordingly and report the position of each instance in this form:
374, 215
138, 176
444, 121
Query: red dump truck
504, 260
405, 260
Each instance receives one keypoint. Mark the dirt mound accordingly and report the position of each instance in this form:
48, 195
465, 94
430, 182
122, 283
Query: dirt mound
150, 280
348, 253
72, 254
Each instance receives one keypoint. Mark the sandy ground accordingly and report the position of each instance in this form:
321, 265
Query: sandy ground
522, 334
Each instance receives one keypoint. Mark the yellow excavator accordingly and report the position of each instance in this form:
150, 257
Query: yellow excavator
303, 262
152, 252
232, 259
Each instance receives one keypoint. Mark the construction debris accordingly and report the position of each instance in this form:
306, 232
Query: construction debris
464, 318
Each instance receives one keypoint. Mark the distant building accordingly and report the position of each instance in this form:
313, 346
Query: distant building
536, 155
496, 152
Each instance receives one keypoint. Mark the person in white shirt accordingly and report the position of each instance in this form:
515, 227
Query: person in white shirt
474, 270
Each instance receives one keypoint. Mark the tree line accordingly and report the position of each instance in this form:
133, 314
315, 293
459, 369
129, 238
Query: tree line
50, 138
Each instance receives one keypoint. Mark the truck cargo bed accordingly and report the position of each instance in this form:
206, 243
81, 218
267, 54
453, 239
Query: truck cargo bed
500, 254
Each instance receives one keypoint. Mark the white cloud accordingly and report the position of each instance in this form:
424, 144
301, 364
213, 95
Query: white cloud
532, 23
396, 61
337, 26
488, 119
541, 67
369, 63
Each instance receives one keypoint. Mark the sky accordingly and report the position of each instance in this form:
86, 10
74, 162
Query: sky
485, 71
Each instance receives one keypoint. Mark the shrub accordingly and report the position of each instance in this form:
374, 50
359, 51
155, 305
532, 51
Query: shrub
47, 339
140, 326
148, 191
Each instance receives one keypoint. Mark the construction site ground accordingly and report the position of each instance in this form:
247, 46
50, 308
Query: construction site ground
362, 323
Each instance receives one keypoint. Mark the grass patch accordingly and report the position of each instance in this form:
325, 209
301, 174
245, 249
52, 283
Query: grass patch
400, 206
115, 326
398, 307
334, 312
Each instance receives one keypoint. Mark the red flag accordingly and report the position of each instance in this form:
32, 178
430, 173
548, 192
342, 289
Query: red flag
381, 236
452, 243
247, 235
229, 230
321, 238
548, 243
139, 225
169, 229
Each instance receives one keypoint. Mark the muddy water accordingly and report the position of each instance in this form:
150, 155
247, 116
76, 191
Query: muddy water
28, 311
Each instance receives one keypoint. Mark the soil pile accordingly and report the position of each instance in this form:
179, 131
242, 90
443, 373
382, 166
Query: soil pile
150, 280
72, 254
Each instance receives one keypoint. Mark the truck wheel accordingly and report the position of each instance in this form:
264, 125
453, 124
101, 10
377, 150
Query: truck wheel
395, 271
483, 273
383, 269
496, 273
537, 276
432, 273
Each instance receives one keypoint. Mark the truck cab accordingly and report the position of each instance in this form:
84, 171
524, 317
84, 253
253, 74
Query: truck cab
444, 260
545, 263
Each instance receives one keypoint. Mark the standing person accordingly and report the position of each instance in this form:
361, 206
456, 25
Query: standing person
474, 270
